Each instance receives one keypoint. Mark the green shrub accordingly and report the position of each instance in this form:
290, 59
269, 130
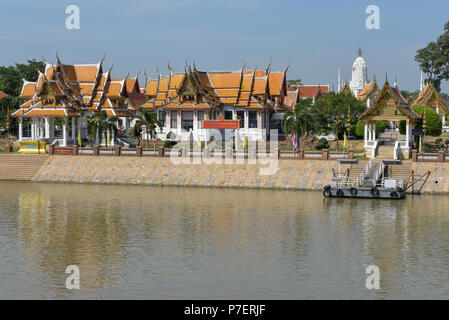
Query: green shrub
322, 144
360, 128
433, 121
381, 126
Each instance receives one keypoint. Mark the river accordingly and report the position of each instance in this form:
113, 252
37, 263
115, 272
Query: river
136, 242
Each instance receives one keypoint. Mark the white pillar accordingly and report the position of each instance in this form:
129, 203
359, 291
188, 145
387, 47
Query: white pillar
73, 130
444, 120
47, 128
20, 129
178, 119
33, 130
127, 126
52, 129
64, 133
97, 137
374, 131
407, 133
369, 131
195, 122
246, 121
366, 134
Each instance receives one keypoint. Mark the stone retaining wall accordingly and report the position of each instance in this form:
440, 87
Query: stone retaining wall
292, 174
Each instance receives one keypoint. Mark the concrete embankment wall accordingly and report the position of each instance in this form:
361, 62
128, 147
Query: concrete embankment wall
291, 174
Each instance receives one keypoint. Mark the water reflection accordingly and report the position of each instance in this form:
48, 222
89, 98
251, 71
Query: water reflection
154, 242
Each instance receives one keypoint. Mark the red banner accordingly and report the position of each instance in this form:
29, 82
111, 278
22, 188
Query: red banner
221, 124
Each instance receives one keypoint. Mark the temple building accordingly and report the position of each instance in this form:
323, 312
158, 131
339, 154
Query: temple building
183, 100
369, 93
3, 95
429, 96
346, 89
71, 93
359, 75
390, 105
306, 91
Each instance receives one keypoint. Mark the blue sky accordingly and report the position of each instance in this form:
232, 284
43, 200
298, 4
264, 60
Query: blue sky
316, 37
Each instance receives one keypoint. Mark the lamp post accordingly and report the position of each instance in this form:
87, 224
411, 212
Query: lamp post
424, 127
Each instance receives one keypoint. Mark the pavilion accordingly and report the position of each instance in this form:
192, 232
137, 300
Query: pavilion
391, 106
429, 96
71, 93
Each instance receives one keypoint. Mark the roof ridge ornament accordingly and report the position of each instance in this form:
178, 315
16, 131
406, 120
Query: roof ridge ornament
170, 69
268, 68
359, 52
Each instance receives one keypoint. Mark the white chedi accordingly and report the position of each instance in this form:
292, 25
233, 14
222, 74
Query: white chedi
359, 75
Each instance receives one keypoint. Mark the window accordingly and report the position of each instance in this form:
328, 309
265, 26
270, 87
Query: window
241, 117
161, 117
200, 115
252, 119
228, 115
174, 119
187, 120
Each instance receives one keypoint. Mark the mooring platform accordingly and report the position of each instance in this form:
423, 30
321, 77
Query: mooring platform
384, 179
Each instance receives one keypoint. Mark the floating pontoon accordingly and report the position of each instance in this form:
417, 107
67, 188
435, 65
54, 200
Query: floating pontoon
385, 179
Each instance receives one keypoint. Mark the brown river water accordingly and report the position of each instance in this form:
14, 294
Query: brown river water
137, 242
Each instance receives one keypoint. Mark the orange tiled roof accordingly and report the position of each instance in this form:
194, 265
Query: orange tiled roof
50, 112
28, 89
224, 80
310, 91
86, 73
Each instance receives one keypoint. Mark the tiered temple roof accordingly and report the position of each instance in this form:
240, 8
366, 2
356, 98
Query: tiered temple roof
194, 89
389, 105
3, 95
429, 97
346, 89
370, 90
67, 90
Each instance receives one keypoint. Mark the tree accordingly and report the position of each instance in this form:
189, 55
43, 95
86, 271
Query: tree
137, 133
297, 82
104, 125
431, 61
331, 112
360, 128
434, 59
410, 96
433, 121
381, 126
150, 121
299, 120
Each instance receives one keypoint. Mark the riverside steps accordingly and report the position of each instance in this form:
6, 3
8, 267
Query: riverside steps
21, 167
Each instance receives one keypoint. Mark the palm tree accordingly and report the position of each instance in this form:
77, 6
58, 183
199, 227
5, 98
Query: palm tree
104, 125
299, 120
150, 121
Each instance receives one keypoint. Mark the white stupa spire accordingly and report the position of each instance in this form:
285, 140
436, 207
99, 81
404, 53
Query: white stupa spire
359, 74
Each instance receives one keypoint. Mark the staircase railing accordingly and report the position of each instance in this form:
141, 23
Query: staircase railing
379, 172
366, 170
397, 148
